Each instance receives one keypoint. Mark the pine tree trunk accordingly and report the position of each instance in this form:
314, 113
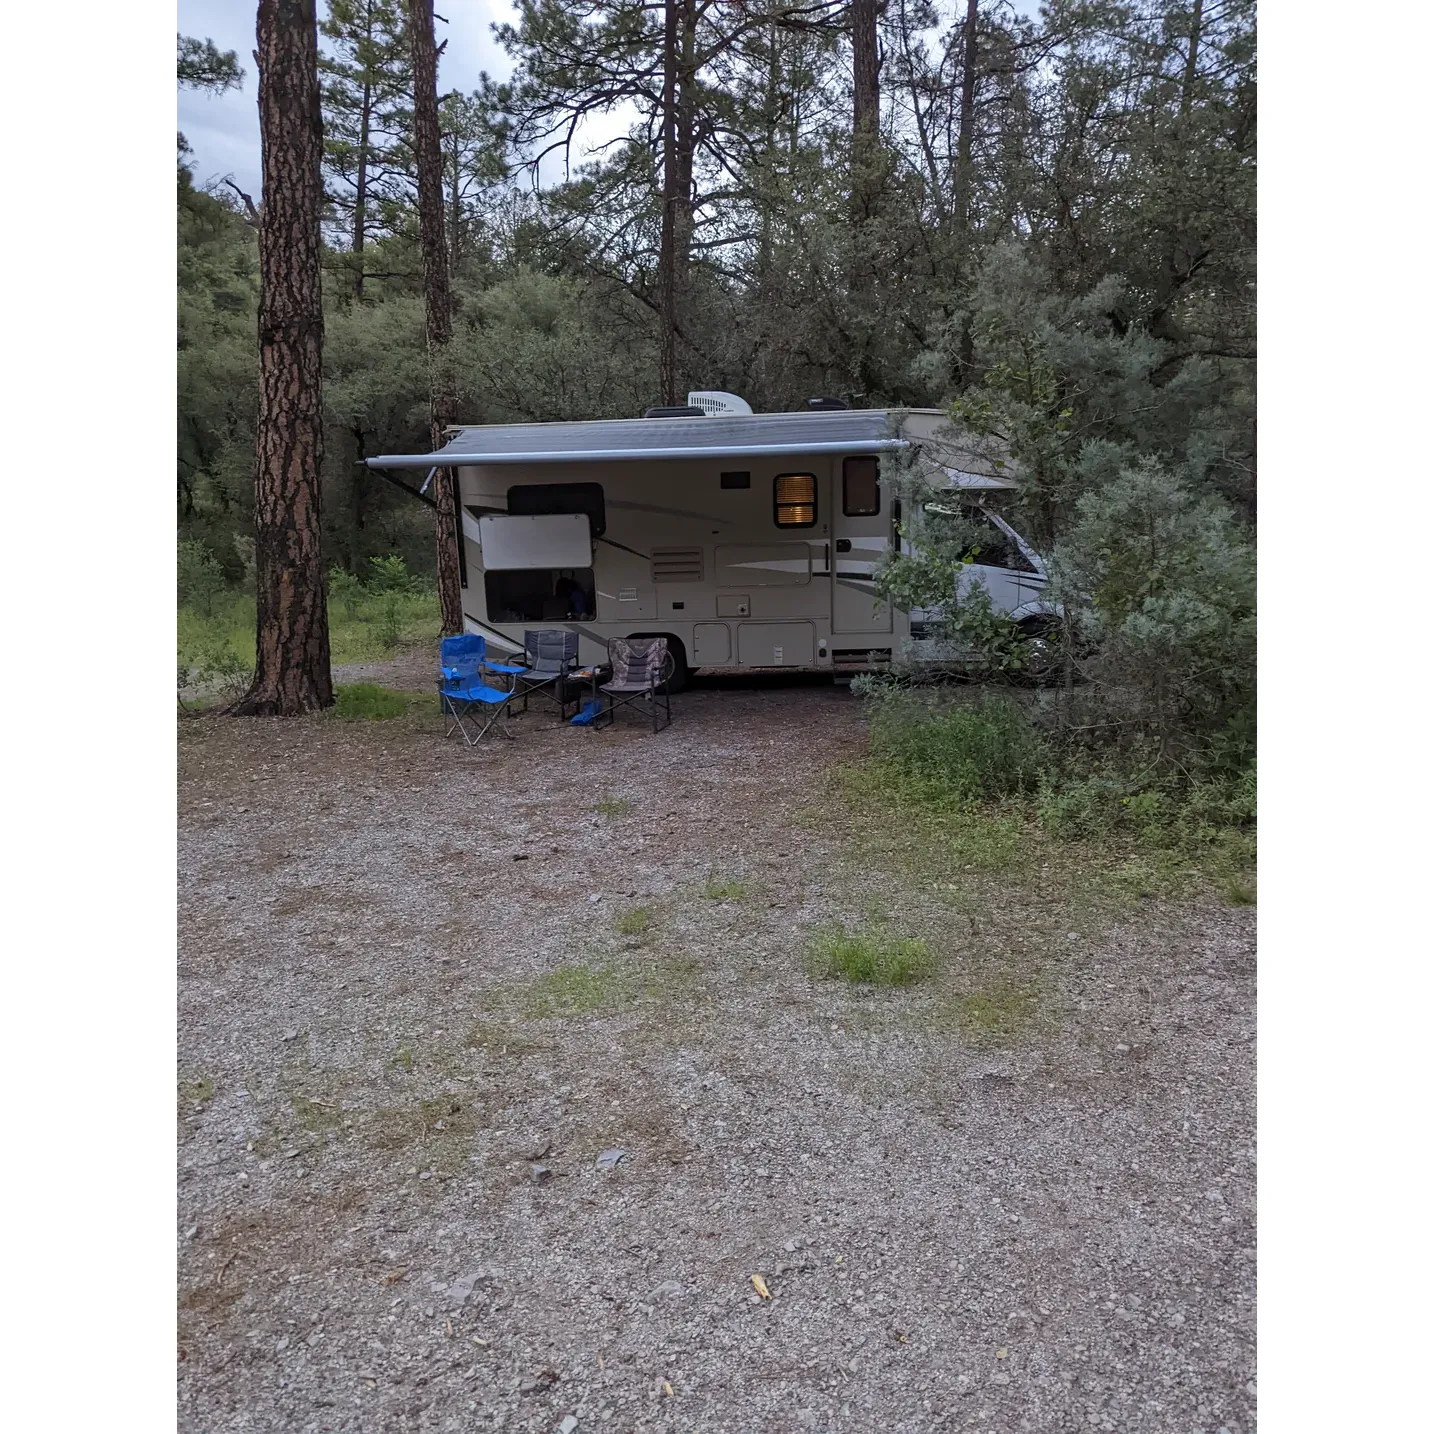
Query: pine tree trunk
667, 251
361, 189
866, 108
1192, 59
292, 673
965, 139
866, 183
683, 213
438, 302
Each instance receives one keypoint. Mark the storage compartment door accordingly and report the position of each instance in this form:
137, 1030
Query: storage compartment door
547, 540
711, 644
776, 644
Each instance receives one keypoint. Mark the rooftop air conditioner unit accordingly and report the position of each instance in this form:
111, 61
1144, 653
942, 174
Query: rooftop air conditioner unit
713, 402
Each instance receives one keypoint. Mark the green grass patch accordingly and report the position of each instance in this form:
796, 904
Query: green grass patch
613, 807
1000, 1010
577, 989
1240, 893
368, 702
871, 955
637, 922
199, 1089
724, 889
215, 640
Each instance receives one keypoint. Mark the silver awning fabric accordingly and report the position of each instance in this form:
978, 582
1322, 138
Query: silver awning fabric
714, 436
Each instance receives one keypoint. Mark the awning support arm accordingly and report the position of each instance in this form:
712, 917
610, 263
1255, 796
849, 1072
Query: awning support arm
399, 483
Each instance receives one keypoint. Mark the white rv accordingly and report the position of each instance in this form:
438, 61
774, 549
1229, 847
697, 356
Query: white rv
747, 540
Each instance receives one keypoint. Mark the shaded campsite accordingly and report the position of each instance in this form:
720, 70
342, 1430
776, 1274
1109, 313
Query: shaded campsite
423, 989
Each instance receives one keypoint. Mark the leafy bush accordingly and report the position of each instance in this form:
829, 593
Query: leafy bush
957, 753
1082, 809
390, 575
1165, 576
345, 592
201, 576
873, 955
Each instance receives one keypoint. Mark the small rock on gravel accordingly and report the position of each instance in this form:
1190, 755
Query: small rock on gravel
609, 1159
568, 1425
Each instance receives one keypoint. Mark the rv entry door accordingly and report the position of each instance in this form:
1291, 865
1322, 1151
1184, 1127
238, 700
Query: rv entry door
862, 532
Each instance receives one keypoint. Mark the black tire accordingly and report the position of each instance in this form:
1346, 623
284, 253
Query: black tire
1043, 663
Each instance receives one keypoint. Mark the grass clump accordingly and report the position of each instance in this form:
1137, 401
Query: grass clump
724, 889
368, 702
998, 1010
871, 955
613, 807
955, 754
637, 922
577, 989
200, 1089
1240, 893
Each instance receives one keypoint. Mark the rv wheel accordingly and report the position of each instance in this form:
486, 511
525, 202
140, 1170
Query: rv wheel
1042, 655
675, 670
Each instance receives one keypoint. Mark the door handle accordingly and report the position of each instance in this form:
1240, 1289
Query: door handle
843, 545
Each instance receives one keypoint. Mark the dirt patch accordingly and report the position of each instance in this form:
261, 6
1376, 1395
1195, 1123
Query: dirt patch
1017, 1195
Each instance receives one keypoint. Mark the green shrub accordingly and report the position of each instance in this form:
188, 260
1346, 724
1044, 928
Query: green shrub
390, 575
873, 955
956, 754
345, 593
368, 702
1085, 808
201, 577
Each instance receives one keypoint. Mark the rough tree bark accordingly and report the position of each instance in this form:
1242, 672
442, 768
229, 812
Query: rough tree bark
437, 300
667, 245
866, 185
292, 643
866, 108
965, 135
360, 232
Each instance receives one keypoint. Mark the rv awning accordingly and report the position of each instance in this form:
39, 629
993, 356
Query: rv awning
754, 435
958, 478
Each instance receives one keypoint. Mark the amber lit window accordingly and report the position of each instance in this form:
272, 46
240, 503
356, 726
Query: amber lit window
796, 500
860, 490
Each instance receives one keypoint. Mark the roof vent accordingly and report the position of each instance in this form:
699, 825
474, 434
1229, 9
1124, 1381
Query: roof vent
713, 401
827, 405
688, 410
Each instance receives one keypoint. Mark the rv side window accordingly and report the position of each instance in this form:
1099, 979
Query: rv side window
795, 499
540, 594
531, 499
860, 488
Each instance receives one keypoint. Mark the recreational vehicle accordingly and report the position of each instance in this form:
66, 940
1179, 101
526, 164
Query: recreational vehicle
747, 540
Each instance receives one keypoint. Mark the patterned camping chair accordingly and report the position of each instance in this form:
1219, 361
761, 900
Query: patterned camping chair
636, 677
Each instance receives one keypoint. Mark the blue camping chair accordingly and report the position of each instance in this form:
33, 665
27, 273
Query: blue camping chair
471, 706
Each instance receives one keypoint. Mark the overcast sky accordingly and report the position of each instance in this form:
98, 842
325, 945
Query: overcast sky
223, 130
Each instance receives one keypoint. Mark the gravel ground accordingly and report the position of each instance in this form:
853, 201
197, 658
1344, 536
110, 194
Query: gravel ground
422, 989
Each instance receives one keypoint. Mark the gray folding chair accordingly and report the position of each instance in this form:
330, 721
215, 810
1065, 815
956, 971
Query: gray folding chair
551, 655
636, 677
